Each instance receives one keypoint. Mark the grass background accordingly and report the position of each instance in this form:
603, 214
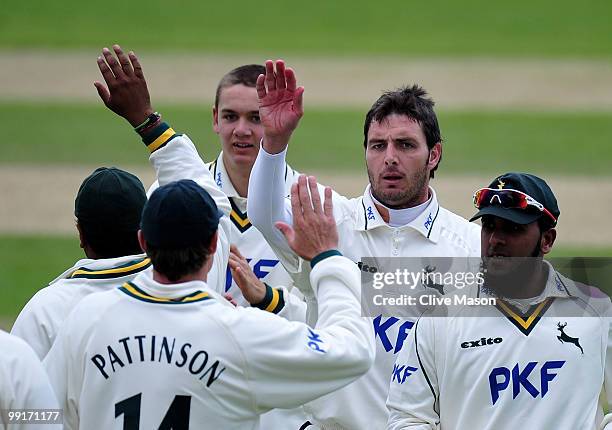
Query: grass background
542, 28
475, 142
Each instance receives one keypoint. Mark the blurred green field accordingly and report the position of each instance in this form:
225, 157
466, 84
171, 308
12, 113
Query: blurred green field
30, 262
475, 142
406, 28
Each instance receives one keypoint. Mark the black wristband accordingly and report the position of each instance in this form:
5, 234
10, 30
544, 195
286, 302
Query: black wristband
323, 256
273, 301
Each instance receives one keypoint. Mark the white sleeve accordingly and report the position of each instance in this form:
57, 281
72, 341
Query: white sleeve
267, 204
35, 325
179, 159
65, 373
24, 383
285, 354
295, 306
414, 391
607, 421
282, 302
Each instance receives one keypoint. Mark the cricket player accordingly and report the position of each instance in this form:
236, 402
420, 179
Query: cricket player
236, 121
539, 358
398, 215
107, 209
24, 388
165, 351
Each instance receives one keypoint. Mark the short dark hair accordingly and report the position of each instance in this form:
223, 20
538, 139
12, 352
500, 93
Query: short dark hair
175, 263
245, 75
108, 243
410, 101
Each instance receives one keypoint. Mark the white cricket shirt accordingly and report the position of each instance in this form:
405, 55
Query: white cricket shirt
177, 356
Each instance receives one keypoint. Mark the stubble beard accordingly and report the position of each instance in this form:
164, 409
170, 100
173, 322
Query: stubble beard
401, 198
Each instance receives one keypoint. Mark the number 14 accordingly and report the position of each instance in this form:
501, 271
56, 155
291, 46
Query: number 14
176, 418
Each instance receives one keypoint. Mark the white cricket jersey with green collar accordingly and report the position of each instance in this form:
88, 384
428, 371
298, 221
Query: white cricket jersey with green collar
495, 368
150, 355
23, 383
362, 232
41, 318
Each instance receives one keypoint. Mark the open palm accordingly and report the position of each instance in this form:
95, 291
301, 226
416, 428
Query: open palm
280, 101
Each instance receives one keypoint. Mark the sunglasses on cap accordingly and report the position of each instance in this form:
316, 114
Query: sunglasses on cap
509, 199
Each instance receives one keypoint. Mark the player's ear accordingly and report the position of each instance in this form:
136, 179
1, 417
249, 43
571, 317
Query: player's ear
141, 241
435, 153
215, 114
212, 248
548, 239
82, 242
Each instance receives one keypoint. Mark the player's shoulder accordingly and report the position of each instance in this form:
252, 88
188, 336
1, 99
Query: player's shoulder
594, 301
457, 223
92, 308
14, 348
458, 231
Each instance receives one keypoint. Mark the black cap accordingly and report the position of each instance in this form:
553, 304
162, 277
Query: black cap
529, 184
178, 215
110, 199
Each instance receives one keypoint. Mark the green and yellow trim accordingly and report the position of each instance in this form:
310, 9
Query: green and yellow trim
240, 219
525, 323
274, 300
133, 291
159, 136
126, 269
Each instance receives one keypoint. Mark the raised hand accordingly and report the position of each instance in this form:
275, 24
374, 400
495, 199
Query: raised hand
314, 228
126, 91
280, 104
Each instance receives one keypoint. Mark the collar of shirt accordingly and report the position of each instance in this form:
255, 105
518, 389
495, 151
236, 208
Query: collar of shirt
426, 223
222, 179
556, 286
146, 283
99, 264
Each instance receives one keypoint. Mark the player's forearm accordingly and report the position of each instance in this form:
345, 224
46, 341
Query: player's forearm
266, 202
175, 157
337, 282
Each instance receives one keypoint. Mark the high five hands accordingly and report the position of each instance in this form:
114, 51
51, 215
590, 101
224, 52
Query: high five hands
126, 91
280, 105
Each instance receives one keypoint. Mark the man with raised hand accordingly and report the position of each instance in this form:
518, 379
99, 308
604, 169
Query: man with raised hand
165, 352
537, 358
107, 210
397, 216
173, 155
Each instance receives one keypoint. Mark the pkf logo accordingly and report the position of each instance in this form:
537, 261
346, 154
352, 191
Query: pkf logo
428, 221
400, 373
315, 342
500, 378
370, 213
382, 327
